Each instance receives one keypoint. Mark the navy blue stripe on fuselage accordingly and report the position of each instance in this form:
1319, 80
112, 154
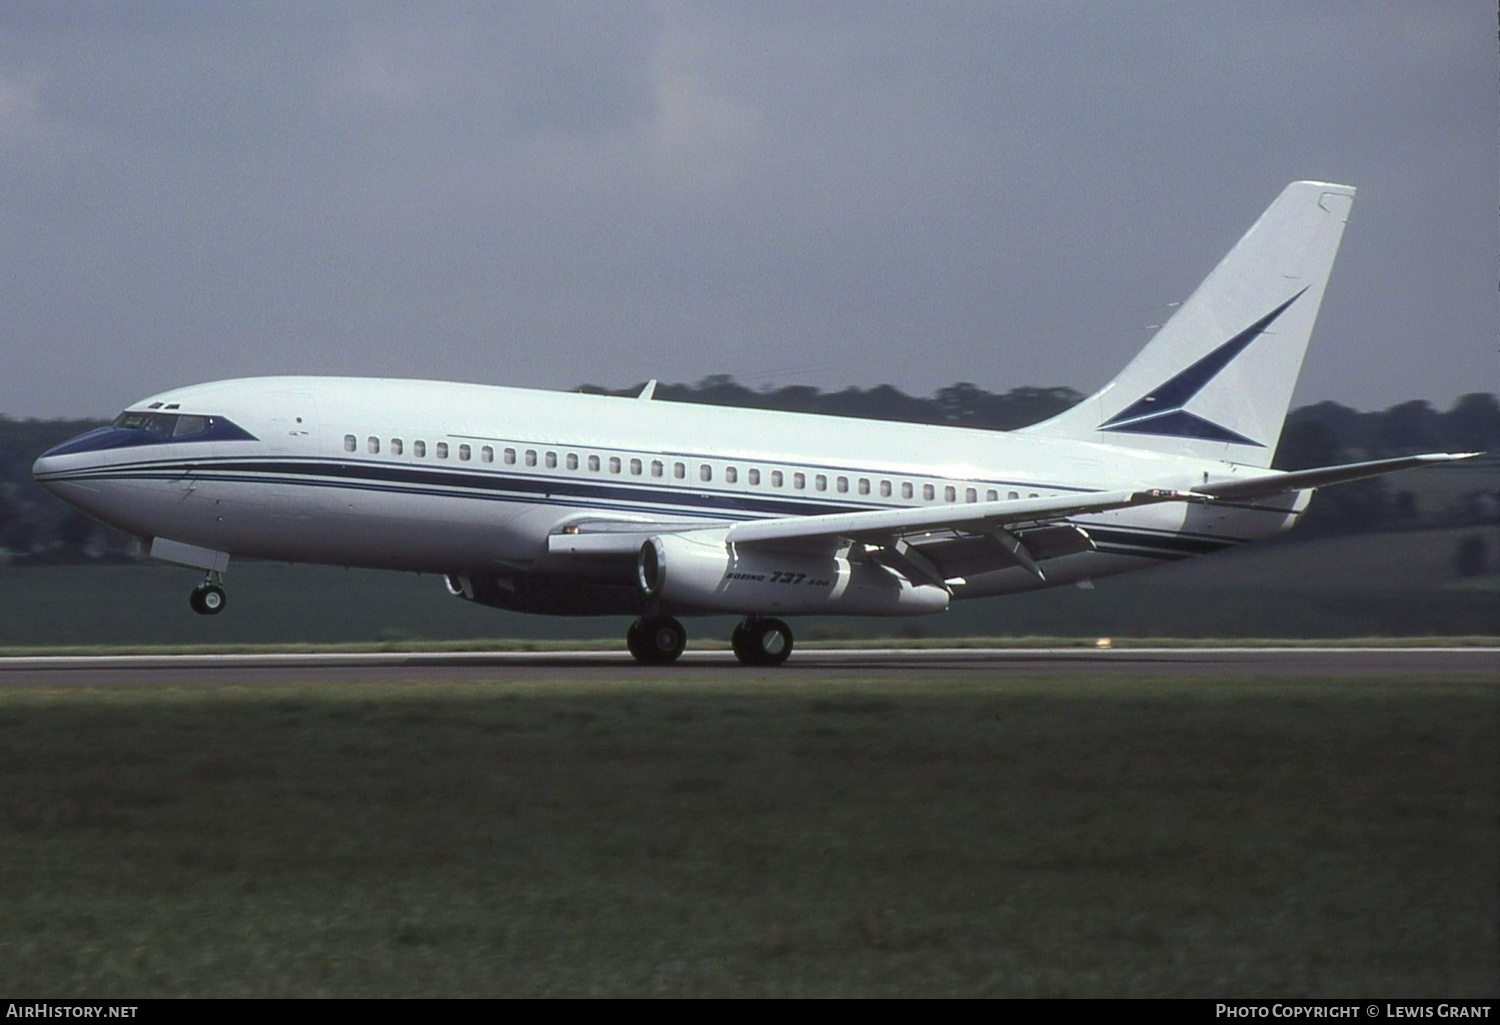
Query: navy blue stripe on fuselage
503, 487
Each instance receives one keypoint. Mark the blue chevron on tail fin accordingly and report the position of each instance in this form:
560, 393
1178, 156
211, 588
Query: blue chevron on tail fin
1217, 379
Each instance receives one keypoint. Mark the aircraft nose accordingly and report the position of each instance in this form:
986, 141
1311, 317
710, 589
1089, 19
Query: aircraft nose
45, 470
53, 465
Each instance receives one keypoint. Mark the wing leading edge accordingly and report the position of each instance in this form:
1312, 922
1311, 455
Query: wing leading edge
878, 525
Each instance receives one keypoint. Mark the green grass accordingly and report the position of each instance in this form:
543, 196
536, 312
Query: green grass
676, 833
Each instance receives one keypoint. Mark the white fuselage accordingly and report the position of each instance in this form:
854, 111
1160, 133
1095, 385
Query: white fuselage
467, 479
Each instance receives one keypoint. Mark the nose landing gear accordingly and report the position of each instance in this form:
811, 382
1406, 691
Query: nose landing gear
208, 598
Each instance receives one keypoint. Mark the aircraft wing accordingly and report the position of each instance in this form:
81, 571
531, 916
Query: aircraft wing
1297, 480
939, 545
929, 544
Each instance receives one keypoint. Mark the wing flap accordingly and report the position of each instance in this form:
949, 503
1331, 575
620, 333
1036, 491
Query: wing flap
957, 556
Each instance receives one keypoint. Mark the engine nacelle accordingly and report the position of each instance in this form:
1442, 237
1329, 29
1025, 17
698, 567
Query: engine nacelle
699, 572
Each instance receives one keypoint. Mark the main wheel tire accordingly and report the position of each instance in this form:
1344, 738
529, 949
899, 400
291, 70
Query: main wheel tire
635, 640
740, 643
656, 640
762, 642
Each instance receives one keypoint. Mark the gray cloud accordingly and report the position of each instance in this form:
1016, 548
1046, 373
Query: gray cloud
831, 193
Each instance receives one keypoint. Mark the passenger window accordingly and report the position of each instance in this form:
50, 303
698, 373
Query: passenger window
731, 475
928, 492
487, 454
777, 479
842, 485
799, 481
635, 467
509, 455
419, 448
464, 452
396, 446
657, 468
372, 445
679, 471
594, 463
885, 489
1032, 495
992, 496
572, 460
950, 494
614, 464
864, 486
531, 457
350, 443
441, 450
705, 472
1011, 496
754, 477
971, 495
906, 491
821, 482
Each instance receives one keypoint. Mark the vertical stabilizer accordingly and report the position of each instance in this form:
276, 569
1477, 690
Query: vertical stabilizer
1216, 380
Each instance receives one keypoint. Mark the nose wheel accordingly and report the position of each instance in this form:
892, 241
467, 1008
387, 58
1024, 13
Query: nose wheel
762, 642
656, 640
208, 599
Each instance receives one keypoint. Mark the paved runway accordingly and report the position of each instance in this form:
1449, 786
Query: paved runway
456, 666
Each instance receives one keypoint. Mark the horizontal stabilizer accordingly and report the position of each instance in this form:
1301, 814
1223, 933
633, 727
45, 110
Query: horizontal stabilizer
1299, 480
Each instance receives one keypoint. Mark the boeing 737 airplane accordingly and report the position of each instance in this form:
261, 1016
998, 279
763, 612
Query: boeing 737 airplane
570, 504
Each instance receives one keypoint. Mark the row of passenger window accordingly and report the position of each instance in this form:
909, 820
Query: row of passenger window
637, 467
418, 449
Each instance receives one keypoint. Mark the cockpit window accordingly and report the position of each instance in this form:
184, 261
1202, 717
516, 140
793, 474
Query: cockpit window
160, 424
149, 427
132, 421
164, 425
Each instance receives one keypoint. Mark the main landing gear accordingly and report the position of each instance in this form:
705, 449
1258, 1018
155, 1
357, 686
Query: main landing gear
761, 642
658, 640
208, 598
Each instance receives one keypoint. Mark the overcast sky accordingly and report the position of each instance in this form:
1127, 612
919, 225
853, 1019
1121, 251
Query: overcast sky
803, 192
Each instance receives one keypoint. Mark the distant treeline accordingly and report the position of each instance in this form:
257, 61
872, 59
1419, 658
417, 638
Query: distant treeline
36, 528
